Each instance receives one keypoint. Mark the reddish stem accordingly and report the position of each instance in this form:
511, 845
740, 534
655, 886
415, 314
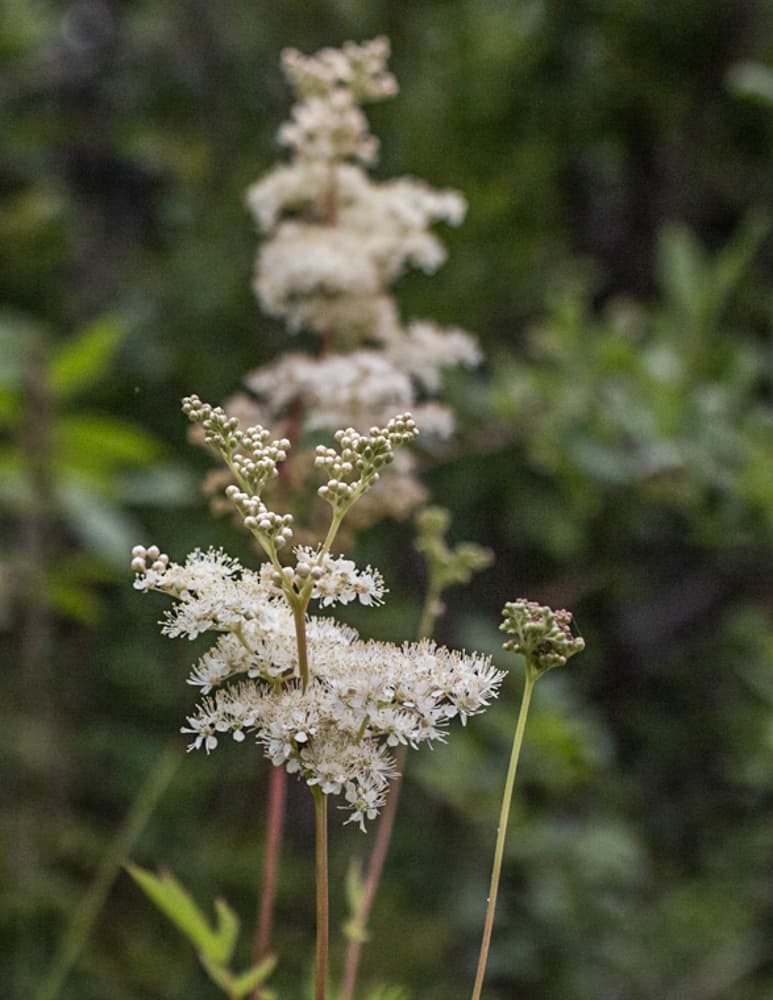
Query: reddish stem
372, 880
277, 794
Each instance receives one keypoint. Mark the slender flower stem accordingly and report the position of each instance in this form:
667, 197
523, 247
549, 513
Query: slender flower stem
299, 614
277, 794
383, 833
499, 851
373, 878
332, 531
323, 919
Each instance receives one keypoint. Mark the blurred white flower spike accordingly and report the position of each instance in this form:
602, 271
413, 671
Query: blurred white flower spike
334, 242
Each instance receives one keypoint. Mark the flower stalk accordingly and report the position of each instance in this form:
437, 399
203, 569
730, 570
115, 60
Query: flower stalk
277, 794
499, 850
322, 879
545, 640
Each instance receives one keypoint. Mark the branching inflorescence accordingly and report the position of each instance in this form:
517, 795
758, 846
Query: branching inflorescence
334, 241
320, 701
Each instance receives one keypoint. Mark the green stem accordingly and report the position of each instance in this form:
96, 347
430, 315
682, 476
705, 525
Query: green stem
323, 928
299, 615
496, 871
86, 912
332, 531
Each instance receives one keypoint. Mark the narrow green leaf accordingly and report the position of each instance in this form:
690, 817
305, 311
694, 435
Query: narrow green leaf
682, 270
252, 978
226, 933
218, 974
85, 357
353, 931
388, 993
353, 884
72, 599
733, 261
175, 902
98, 442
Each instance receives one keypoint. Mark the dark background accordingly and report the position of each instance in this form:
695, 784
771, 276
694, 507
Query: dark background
615, 450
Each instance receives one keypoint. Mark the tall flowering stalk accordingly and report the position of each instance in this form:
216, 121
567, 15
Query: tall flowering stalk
334, 241
446, 567
545, 640
319, 701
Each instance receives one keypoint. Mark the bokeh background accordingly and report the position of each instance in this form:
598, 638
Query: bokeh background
615, 450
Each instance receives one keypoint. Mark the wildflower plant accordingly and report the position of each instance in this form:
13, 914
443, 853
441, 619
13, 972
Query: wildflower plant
317, 700
334, 242
545, 640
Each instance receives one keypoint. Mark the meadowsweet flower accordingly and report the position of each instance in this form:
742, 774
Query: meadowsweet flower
363, 698
543, 636
335, 241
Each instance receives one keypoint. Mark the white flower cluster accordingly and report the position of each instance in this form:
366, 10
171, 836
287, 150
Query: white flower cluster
363, 697
335, 241
334, 580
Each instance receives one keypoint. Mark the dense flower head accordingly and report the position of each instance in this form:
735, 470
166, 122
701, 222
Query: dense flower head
250, 452
327, 124
363, 698
359, 458
359, 68
335, 242
543, 636
333, 580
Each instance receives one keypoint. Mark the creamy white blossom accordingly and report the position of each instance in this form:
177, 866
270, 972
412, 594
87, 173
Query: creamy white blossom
363, 697
335, 241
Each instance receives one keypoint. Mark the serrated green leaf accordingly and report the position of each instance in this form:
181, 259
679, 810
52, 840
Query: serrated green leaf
176, 903
85, 357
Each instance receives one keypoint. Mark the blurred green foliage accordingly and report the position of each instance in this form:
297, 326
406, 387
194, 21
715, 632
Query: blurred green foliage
616, 453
